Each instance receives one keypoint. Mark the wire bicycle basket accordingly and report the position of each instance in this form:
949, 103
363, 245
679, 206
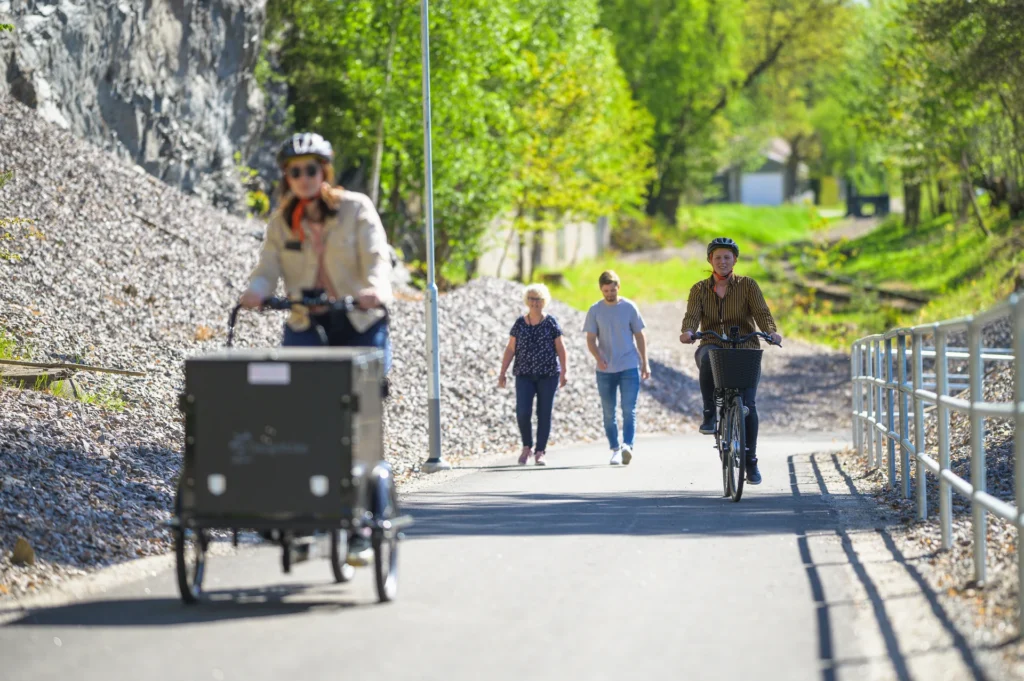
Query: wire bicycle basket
735, 368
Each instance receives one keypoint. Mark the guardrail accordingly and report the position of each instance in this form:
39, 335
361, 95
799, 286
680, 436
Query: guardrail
886, 382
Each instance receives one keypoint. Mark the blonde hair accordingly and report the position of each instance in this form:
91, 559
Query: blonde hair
538, 289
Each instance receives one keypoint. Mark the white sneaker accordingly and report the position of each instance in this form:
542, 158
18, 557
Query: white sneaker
616, 457
627, 454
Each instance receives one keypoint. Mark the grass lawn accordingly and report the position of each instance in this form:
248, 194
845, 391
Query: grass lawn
960, 269
748, 225
641, 282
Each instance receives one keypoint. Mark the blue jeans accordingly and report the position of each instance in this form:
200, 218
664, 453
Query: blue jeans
544, 387
608, 385
322, 332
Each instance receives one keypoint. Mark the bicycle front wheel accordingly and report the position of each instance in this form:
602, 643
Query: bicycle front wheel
737, 460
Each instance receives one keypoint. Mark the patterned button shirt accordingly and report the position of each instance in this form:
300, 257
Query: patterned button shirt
742, 305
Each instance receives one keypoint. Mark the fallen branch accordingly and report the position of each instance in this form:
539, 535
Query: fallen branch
69, 366
157, 227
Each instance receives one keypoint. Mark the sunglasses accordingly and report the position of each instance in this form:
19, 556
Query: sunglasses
295, 172
534, 299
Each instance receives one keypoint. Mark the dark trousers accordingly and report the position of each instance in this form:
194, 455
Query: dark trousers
544, 388
707, 393
336, 330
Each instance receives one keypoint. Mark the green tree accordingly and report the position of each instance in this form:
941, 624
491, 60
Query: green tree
689, 60
353, 73
584, 148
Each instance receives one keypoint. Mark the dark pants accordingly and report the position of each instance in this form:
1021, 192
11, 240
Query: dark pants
337, 331
544, 387
707, 393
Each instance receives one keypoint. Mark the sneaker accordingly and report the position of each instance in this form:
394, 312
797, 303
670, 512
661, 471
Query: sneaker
616, 457
525, 456
710, 423
627, 454
360, 552
538, 458
753, 475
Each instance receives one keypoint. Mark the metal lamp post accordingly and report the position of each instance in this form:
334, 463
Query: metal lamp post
434, 461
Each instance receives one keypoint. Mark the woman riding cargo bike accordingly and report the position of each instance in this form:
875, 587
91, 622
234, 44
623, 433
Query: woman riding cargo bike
330, 241
721, 306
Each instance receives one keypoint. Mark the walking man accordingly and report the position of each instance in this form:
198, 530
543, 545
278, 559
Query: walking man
616, 339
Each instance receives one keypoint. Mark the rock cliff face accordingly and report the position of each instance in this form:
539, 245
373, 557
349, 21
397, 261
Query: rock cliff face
167, 83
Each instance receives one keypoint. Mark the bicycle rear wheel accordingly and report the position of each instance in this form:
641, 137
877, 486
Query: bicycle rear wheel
737, 452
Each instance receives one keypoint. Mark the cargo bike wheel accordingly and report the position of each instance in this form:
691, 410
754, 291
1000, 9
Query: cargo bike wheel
190, 545
384, 537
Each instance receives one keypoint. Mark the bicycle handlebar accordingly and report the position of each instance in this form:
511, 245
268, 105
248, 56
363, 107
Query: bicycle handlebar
736, 340
323, 300
346, 304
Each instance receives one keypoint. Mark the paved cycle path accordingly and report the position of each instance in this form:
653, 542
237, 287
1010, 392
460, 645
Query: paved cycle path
574, 570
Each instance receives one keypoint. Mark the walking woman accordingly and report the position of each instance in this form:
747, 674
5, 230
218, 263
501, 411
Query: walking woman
535, 342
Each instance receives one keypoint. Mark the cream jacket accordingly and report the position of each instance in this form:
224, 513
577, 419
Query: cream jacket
356, 257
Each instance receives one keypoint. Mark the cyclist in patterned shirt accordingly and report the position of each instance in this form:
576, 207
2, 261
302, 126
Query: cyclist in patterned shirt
718, 303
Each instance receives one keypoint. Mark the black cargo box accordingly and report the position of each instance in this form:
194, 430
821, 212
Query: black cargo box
284, 433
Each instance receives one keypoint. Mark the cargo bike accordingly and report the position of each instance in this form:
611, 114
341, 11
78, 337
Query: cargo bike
288, 442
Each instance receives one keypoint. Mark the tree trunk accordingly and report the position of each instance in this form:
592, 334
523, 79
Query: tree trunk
977, 213
666, 198
969, 191
504, 252
943, 203
665, 204
911, 205
536, 252
378, 151
579, 241
933, 201
1015, 199
521, 262
791, 178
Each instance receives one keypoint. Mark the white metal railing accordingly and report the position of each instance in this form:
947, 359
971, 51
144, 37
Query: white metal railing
884, 385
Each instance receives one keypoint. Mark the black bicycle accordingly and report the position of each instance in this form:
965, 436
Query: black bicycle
734, 370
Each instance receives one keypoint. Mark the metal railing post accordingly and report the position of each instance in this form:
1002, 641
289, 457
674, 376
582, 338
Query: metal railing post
976, 374
855, 385
919, 441
879, 440
901, 347
869, 414
941, 388
890, 414
1018, 442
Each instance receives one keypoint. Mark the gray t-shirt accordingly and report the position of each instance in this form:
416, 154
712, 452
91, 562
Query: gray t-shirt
615, 326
